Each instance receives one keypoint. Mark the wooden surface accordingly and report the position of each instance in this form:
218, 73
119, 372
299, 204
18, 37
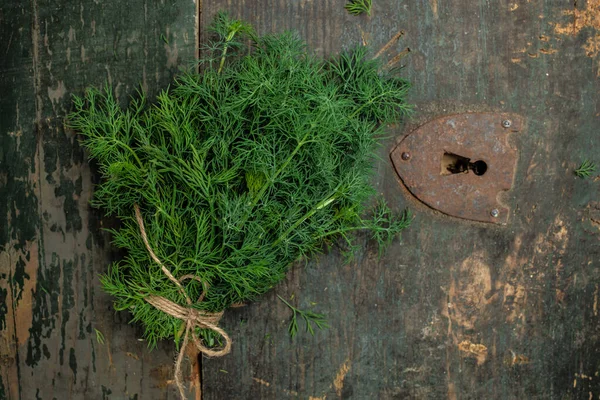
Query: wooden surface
454, 310
51, 243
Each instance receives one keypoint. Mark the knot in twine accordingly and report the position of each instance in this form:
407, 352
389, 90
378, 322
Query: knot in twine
191, 317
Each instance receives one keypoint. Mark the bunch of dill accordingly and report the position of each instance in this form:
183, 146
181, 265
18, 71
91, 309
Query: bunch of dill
239, 170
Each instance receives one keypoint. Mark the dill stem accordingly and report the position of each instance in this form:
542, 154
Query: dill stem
264, 188
130, 150
355, 113
342, 230
225, 47
320, 205
287, 304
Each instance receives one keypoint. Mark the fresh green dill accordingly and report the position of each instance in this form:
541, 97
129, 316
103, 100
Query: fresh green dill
99, 336
357, 7
586, 169
260, 160
309, 317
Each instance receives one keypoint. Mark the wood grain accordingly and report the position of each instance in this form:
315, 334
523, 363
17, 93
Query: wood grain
453, 310
52, 244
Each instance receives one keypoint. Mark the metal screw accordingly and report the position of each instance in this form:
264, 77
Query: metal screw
495, 213
406, 156
506, 123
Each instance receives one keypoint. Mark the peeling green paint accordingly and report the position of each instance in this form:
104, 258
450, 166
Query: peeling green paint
3, 308
44, 310
106, 392
68, 301
18, 279
70, 190
73, 364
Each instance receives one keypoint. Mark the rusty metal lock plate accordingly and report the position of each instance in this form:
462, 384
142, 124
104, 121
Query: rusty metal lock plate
459, 164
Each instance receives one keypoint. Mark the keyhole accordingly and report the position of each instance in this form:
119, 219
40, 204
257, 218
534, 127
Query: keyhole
455, 164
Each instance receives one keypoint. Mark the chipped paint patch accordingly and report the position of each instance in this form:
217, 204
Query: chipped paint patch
434, 8
338, 382
516, 359
469, 292
19, 267
583, 19
56, 94
261, 381
470, 349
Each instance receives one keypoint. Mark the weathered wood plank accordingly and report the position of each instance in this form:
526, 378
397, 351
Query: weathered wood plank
52, 245
455, 310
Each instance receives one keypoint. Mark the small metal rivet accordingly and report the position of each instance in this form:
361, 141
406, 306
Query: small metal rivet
495, 213
506, 123
405, 156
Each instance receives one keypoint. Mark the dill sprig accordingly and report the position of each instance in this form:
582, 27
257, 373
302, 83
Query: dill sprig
586, 169
309, 317
357, 7
240, 170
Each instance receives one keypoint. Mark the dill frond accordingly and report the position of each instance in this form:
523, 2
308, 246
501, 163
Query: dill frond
586, 169
357, 7
239, 170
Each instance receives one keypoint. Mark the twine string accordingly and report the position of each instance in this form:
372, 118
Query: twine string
191, 317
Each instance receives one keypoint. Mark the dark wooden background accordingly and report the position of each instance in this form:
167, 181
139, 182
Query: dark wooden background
453, 310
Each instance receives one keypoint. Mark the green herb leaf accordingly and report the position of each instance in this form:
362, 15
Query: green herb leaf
239, 171
586, 169
309, 317
99, 336
357, 7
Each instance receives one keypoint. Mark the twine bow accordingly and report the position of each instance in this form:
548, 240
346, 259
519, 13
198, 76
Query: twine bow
193, 318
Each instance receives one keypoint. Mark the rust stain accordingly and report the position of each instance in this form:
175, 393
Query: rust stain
470, 349
338, 382
440, 143
261, 381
